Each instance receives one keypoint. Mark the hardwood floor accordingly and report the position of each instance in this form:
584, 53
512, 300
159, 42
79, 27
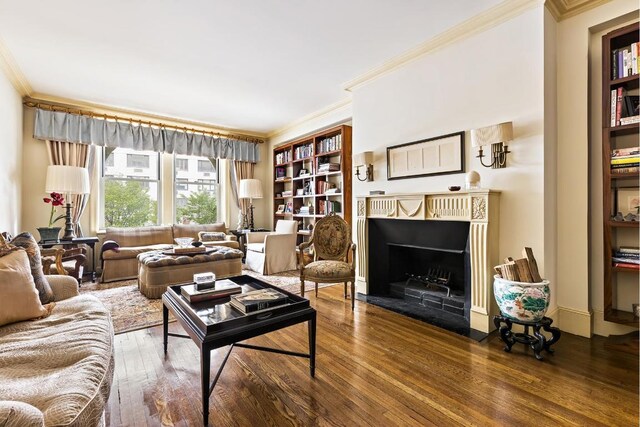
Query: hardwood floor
374, 368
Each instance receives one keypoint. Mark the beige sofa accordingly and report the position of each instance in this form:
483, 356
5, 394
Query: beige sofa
58, 370
121, 246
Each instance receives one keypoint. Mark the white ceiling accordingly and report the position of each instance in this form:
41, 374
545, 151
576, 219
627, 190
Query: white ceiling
254, 65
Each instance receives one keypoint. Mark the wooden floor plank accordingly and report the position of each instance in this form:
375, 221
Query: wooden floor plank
374, 367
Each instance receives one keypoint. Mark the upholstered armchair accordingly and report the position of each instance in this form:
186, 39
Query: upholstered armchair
66, 262
334, 255
272, 252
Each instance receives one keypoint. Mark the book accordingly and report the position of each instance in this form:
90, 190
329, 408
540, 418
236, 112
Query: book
631, 103
619, 95
632, 169
629, 249
613, 106
626, 255
627, 265
629, 120
625, 160
621, 152
223, 288
258, 300
617, 168
628, 260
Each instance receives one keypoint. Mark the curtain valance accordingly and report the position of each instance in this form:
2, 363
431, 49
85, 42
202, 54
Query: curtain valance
68, 127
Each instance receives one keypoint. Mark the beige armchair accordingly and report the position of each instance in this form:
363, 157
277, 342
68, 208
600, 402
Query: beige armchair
334, 255
272, 252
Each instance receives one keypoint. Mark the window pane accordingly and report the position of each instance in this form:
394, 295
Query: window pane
123, 162
130, 203
182, 164
196, 203
205, 166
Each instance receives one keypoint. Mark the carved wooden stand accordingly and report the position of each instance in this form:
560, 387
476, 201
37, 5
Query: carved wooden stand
537, 341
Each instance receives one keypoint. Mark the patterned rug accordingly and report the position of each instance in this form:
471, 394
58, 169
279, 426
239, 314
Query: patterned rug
130, 310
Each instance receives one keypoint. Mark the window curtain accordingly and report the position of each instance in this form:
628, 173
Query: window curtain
71, 154
238, 171
74, 128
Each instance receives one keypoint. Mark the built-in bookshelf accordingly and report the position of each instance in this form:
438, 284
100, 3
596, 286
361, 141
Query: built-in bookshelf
312, 178
621, 166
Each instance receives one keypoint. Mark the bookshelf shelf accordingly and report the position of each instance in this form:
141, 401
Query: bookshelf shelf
328, 146
619, 92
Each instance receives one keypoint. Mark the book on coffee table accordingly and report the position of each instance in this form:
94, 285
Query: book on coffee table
258, 300
223, 288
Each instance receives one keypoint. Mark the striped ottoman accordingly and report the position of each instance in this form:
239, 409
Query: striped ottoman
156, 270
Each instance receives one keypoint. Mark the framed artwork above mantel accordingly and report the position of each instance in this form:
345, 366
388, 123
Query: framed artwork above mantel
440, 155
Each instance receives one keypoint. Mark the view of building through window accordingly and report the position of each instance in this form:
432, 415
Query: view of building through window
131, 182
132, 187
195, 190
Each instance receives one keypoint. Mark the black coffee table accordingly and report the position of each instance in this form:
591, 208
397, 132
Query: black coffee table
214, 323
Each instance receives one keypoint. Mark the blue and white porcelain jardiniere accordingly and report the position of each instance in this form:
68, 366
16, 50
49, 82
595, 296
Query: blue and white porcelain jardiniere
527, 302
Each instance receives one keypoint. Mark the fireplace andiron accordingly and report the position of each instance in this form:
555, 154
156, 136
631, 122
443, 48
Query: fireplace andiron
537, 341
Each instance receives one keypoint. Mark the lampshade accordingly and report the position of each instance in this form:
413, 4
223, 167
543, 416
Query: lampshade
250, 189
67, 179
502, 132
364, 158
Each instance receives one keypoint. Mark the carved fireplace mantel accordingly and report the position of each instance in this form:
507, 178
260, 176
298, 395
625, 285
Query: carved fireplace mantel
478, 207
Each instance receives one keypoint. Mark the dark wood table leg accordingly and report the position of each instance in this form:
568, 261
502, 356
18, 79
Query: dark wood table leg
312, 345
205, 367
165, 327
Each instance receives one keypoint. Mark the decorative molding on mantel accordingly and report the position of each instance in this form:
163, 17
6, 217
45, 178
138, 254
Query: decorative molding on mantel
563, 9
13, 72
478, 207
490, 18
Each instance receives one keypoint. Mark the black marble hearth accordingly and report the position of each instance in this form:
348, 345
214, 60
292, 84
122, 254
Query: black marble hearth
422, 269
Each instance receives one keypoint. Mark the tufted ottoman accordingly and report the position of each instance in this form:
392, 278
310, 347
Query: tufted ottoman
156, 270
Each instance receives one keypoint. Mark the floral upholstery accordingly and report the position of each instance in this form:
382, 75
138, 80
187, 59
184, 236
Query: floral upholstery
334, 255
337, 270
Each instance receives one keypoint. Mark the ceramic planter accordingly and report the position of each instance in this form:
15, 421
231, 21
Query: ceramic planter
527, 302
49, 234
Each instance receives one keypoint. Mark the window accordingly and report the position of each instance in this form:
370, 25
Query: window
182, 164
196, 199
139, 160
205, 166
129, 198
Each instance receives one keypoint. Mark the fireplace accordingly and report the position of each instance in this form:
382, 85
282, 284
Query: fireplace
430, 256
421, 269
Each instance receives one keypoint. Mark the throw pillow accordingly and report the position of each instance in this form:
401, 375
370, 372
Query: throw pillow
18, 294
212, 236
29, 244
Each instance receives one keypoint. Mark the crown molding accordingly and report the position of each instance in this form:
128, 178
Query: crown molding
10, 67
331, 109
137, 115
563, 9
498, 14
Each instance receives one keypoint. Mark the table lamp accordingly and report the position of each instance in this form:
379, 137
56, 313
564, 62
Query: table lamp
250, 189
67, 180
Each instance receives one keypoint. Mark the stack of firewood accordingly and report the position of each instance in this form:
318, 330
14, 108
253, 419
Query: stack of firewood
520, 270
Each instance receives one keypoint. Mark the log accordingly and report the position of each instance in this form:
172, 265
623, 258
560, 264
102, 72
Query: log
510, 272
523, 270
508, 260
533, 264
498, 269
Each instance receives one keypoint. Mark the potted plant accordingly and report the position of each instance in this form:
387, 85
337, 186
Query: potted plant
50, 233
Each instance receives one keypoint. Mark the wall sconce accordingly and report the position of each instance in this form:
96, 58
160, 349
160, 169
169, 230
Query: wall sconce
496, 136
364, 159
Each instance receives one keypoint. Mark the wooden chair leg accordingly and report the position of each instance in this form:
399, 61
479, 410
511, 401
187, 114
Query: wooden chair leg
345, 290
302, 287
353, 295
316, 283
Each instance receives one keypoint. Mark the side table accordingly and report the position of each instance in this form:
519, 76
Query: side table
537, 341
74, 243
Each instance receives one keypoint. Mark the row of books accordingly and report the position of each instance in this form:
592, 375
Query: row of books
624, 61
323, 186
330, 144
325, 207
624, 108
306, 210
627, 257
303, 151
328, 167
625, 160
283, 157
250, 302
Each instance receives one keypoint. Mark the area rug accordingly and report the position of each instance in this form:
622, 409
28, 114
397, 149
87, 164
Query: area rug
130, 310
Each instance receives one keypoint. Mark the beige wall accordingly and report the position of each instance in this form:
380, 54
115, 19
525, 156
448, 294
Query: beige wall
11, 159
578, 269
491, 77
